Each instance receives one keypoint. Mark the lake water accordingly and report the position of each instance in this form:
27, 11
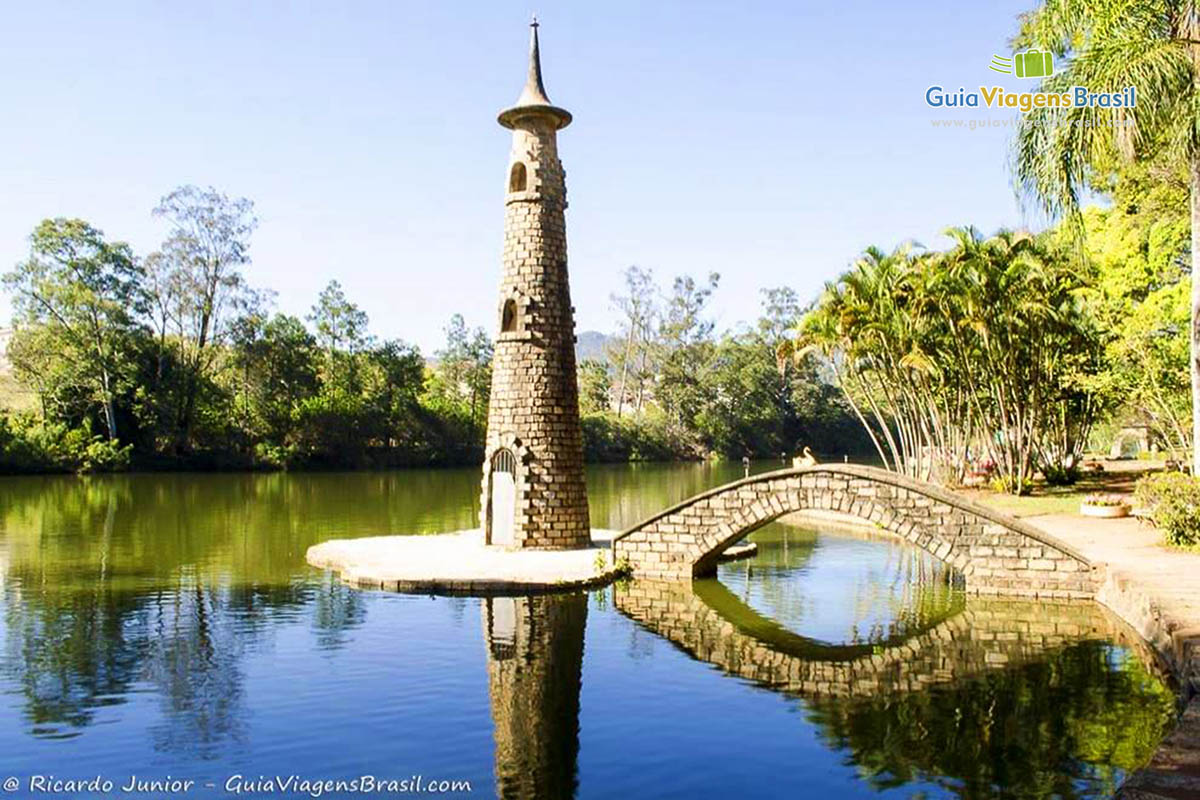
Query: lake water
157, 625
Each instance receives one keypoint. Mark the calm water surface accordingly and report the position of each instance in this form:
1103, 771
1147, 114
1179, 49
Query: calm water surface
156, 625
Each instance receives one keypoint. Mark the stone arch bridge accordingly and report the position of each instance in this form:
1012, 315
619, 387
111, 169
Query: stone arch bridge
995, 553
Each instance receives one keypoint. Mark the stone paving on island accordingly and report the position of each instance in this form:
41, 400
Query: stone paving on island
459, 562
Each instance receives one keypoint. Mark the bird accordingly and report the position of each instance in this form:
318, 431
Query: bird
806, 460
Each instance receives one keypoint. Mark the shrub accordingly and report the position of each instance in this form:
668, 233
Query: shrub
104, 455
28, 444
1173, 500
1007, 484
610, 438
1060, 476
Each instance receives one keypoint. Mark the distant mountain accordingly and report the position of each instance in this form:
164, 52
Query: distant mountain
592, 344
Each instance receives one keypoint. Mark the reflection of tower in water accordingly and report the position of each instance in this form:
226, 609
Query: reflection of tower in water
535, 661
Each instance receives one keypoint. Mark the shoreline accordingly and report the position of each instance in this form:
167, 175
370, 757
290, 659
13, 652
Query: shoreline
1156, 592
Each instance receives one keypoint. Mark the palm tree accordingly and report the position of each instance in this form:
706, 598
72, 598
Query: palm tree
1108, 45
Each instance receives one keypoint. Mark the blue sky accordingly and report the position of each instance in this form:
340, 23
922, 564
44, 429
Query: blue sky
768, 141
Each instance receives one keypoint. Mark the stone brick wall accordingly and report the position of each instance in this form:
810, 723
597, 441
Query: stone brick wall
534, 407
996, 554
989, 634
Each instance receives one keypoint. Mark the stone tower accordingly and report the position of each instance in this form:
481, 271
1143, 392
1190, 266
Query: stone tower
533, 487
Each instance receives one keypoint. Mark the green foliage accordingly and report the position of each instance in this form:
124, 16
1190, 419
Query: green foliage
187, 364
28, 445
1139, 249
984, 349
751, 407
340, 324
1008, 484
1056, 475
632, 354
1173, 500
595, 386
276, 364
1106, 45
460, 382
75, 301
608, 437
1152, 149
1102, 716
694, 394
197, 294
683, 347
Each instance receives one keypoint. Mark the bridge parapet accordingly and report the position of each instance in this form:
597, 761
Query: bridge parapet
996, 553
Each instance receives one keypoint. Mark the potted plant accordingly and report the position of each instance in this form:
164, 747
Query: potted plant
1104, 505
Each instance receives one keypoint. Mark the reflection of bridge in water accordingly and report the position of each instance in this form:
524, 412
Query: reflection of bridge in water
711, 624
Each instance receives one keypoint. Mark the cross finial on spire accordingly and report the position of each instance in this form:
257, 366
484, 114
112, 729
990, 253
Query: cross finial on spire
534, 91
533, 96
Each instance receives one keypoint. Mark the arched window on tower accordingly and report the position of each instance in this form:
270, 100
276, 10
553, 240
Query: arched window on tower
508, 316
517, 178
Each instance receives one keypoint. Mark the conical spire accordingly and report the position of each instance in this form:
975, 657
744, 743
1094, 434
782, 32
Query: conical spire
533, 99
534, 92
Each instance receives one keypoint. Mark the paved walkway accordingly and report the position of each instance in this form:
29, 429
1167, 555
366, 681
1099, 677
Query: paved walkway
1157, 591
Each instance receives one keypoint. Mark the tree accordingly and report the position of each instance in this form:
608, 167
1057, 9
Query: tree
396, 378
340, 324
781, 312
463, 373
1139, 249
342, 333
595, 386
199, 286
631, 358
684, 344
75, 301
986, 348
1107, 45
278, 360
